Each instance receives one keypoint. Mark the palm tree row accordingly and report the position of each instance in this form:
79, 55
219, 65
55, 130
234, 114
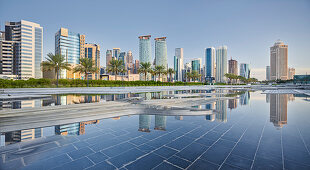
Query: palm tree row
57, 63
145, 69
194, 75
235, 78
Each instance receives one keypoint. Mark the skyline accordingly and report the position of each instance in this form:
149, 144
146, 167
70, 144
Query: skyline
237, 25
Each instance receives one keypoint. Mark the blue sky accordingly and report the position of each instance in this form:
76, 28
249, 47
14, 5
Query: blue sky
247, 27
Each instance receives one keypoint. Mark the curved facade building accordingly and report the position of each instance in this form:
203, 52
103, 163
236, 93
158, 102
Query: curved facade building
145, 52
245, 70
161, 52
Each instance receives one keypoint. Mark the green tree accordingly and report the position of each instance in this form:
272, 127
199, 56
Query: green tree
195, 75
159, 71
86, 66
170, 72
56, 63
188, 76
145, 68
115, 66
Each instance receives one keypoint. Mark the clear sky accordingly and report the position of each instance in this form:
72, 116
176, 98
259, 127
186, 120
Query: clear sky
247, 27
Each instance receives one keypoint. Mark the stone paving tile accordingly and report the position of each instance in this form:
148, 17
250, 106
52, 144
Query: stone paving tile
118, 149
245, 150
192, 151
197, 133
97, 157
216, 154
48, 154
80, 144
49, 163
105, 144
97, 139
166, 166
165, 152
138, 141
203, 164
27, 151
288, 164
262, 163
80, 153
102, 165
146, 148
179, 162
126, 157
13, 164
147, 162
180, 143
302, 157
229, 167
81, 163
238, 161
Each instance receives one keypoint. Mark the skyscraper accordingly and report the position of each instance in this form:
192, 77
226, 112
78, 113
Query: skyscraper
161, 52
196, 65
210, 63
221, 63
145, 53
72, 46
92, 51
279, 61
233, 66
245, 70
129, 57
7, 58
122, 57
178, 64
108, 57
291, 73
116, 53
28, 48
267, 73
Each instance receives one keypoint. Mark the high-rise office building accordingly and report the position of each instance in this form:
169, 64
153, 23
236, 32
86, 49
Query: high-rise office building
122, 57
178, 64
145, 53
136, 67
279, 61
129, 57
108, 57
116, 53
245, 70
210, 63
291, 73
221, 63
161, 54
233, 66
7, 59
92, 51
28, 48
278, 109
72, 46
268, 73
196, 65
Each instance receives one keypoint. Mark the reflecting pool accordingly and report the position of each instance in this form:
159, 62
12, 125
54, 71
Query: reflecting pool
249, 130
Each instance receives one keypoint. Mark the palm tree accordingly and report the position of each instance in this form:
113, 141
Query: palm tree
115, 66
145, 68
159, 71
153, 73
170, 71
55, 62
195, 75
86, 66
188, 76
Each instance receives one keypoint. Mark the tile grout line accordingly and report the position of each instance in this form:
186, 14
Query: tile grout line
303, 140
258, 144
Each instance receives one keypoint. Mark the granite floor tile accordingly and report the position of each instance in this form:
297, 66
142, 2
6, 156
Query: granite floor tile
102, 166
203, 164
225, 143
192, 151
165, 152
78, 164
288, 164
179, 162
49, 163
138, 141
13, 164
118, 149
147, 162
97, 157
216, 154
262, 163
166, 166
80, 153
238, 161
126, 157
105, 144
180, 143
302, 157
245, 150
146, 148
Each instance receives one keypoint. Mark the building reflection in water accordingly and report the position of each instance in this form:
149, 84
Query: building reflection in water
278, 109
221, 108
22, 135
73, 128
245, 98
178, 117
144, 123
232, 103
160, 122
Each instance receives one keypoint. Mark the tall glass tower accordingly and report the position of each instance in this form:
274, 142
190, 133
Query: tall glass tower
221, 63
245, 70
178, 64
145, 53
161, 52
210, 63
